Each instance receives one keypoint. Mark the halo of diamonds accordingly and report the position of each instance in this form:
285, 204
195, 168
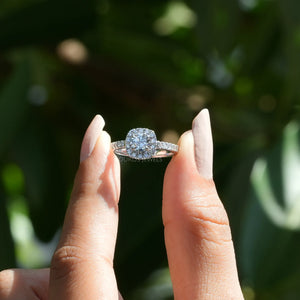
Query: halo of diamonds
140, 143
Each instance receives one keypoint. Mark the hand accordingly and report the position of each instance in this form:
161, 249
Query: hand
197, 233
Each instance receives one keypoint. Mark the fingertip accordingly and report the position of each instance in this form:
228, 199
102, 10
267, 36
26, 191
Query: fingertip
186, 145
24, 284
186, 137
184, 160
94, 167
181, 177
105, 162
91, 137
6, 283
103, 143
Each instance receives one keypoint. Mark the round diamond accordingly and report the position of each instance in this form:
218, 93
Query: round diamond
140, 143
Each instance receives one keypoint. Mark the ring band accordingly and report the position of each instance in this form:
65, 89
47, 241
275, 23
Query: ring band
141, 144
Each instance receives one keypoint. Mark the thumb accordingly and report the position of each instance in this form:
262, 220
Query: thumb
197, 233
82, 265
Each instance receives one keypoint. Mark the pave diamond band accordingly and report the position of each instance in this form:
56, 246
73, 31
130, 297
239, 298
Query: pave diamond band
141, 144
163, 149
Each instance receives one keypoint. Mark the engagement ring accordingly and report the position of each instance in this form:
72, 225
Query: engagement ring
141, 143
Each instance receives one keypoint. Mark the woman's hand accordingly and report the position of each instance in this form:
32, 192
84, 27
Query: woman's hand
197, 233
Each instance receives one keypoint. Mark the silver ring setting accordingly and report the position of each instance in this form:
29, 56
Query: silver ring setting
142, 144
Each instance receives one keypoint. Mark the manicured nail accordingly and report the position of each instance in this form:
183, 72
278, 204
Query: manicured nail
102, 150
203, 144
91, 136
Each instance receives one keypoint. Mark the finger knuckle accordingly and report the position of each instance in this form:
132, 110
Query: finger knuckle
84, 182
208, 221
65, 261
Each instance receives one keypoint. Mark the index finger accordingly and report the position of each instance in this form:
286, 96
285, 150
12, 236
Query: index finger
82, 265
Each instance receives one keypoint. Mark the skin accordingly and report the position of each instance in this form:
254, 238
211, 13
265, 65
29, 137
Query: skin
197, 233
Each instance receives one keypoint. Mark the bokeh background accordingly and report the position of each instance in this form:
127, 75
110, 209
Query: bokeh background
153, 64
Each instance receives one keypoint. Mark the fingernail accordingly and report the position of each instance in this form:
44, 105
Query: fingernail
102, 152
186, 143
91, 136
186, 148
203, 144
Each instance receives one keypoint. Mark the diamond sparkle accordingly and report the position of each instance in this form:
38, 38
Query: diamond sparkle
140, 143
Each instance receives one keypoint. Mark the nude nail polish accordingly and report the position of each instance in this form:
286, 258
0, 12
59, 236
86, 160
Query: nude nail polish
203, 144
91, 136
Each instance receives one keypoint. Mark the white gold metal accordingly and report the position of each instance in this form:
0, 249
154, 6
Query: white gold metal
141, 144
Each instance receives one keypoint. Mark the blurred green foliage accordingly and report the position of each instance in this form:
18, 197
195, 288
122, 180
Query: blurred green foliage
153, 64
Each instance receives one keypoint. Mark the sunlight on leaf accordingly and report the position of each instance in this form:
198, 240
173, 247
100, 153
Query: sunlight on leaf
288, 215
248, 293
248, 4
72, 51
177, 15
291, 164
261, 183
30, 252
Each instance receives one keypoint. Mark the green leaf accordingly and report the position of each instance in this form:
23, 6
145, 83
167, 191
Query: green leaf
270, 245
14, 104
13, 179
286, 214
